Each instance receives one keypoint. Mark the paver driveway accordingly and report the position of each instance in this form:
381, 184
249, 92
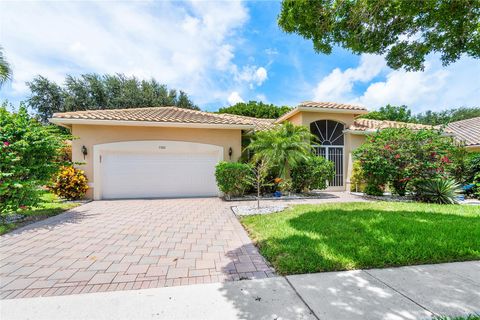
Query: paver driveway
128, 244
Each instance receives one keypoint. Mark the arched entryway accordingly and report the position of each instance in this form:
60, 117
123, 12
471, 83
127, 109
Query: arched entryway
330, 144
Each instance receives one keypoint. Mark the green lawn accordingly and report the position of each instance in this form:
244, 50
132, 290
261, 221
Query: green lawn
49, 206
345, 236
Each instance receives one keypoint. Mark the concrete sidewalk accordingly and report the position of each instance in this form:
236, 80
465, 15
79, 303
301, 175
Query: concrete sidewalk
416, 292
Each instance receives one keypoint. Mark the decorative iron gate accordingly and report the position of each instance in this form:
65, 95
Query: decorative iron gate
334, 154
330, 134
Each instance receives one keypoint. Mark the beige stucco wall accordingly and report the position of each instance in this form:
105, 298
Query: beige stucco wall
351, 141
90, 135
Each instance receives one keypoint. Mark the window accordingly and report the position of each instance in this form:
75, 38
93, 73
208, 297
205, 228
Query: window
328, 132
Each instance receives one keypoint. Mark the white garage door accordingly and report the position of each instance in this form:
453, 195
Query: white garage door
157, 175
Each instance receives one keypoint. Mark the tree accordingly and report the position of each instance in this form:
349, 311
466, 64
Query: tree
405, 30
256, 109
284, 147
29, 156
93, 91
447, 116
5, 70
392, 113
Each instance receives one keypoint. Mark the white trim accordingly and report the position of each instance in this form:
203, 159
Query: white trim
148, 145
319, 110
66, 122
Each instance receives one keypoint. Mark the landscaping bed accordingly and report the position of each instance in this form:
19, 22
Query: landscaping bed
49, 206
346, 236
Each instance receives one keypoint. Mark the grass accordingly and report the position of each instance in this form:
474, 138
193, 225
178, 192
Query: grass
346, 236
50, 205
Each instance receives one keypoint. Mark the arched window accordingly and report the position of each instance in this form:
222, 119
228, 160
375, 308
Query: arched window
328, 132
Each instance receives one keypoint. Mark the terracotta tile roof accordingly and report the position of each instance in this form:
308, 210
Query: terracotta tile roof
467, 131
371, 125
158, 114
331, 105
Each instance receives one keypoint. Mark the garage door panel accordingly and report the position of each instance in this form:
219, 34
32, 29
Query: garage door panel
149, 175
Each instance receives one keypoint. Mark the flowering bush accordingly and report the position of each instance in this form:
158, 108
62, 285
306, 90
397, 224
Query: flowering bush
29, 156
70, 183
404, 158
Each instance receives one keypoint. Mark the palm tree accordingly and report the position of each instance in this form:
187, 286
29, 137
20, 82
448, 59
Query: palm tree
5, 70
284, 147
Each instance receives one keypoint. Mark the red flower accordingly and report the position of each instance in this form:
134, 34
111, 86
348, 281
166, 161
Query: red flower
397, 156
6, 143
387, 147
445, 159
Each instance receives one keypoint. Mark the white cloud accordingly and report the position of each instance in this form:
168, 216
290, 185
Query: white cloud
234, 98
183, 44
435, 88
339, 84
252, 75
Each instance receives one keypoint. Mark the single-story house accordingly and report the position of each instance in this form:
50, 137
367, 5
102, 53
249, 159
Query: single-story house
172, 152
467, 132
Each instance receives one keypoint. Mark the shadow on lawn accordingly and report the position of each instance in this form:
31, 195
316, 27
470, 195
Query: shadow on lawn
332, 240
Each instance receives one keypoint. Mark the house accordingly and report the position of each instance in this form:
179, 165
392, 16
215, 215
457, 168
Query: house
172, 152
467, 132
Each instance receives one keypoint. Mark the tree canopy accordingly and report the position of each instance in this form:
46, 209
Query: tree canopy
256, 109
405, 31
404, 114
392, 113
93, 91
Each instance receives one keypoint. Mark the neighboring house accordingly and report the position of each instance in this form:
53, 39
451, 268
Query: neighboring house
467, 132
172, 152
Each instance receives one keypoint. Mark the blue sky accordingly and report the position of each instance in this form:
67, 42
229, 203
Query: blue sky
219, 52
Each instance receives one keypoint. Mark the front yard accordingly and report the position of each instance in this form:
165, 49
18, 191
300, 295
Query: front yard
345, 236
50, 205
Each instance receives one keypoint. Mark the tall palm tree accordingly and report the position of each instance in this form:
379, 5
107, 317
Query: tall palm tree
284, 146
5, 70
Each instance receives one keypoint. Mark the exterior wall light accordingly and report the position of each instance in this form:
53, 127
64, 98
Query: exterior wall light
230, 152
84, 152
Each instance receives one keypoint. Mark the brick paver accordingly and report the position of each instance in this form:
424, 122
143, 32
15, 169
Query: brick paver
128, 244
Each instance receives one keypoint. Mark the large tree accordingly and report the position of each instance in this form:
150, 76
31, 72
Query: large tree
406, 31
447, 116
392, 113
5, 70
256, 109
404, 114
93, 91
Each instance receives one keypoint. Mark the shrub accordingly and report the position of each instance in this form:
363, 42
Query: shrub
357, 180
373, 189
312, 173
438, 190
70, 183
233, 178
29, 156
403, 158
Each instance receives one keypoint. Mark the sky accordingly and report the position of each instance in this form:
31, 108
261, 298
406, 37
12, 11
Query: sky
218, 52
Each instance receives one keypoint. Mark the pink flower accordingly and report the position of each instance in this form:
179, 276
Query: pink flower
397, 156
6, 143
